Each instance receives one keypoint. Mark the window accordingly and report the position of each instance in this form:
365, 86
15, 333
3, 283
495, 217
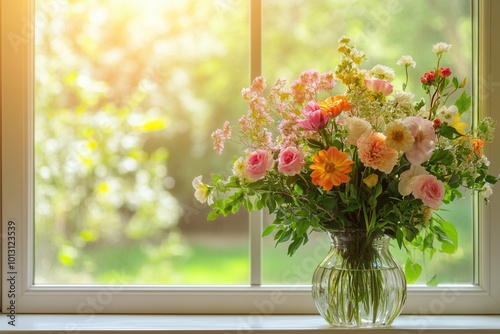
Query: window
21, 178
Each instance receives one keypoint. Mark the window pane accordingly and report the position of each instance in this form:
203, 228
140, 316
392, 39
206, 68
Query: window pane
127, 95
384, 30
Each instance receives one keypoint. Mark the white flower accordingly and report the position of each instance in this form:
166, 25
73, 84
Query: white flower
441, 48
486, 190
202, 193
356, 127
405, 179
240, 168
383, 72
406, 61
404, 99
424, 111
484, 160
446, 114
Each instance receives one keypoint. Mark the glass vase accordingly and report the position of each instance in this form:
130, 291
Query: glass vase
359, 284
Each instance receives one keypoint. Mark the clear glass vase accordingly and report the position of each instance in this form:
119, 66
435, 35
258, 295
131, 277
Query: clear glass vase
359, 284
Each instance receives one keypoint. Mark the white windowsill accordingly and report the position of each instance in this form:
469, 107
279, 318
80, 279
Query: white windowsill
241, 324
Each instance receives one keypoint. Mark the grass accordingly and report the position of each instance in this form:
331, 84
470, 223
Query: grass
216, 263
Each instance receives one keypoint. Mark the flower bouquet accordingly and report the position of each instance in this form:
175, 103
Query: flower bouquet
370, 160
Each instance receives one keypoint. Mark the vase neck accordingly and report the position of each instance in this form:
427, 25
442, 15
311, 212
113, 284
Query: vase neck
357, 238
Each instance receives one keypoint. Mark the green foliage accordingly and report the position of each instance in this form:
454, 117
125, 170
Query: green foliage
463, 103
412, 271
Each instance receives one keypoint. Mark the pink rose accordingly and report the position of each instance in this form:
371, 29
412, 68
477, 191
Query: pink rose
422, 131
258, 163
429, 189
315, 119
290, 161
379, 86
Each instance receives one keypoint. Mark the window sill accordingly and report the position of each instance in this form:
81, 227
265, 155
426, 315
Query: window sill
236, 324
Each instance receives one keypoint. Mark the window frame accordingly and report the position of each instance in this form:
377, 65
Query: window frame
17, 32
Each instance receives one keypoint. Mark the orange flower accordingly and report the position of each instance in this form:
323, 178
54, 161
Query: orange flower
477, 145
330, 168
334, 105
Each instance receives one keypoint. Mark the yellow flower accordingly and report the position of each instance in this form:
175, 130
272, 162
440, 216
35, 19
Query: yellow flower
398, 136
371, 180
330, 168
459, 126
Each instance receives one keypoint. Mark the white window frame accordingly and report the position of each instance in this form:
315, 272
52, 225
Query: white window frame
17, 30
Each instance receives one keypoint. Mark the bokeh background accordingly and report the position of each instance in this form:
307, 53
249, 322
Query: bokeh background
127, 93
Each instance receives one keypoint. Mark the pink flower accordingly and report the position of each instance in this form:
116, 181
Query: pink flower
290, 161
218, 138
406, 178
315, 119
429, 189
258, 163
422, 131
373, 152
379, 86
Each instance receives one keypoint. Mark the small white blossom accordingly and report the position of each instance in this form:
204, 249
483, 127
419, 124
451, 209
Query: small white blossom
202, 191
484, 161
486, 191
441, 48
406, 61
404, 99
383, 72
446, 114
424, 111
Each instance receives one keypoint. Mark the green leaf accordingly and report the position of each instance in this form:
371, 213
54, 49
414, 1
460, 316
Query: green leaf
420, 104
455, 82
429, 241
283, 236
217, 177
444, 84
271, 204
410, 233
399, 237
491, 179
313, 143
212, 215
292, 248
412, 271
463, 103
454, 181
247, 203
259, 202
269, 230
298, 189
449, 132
462, 84
352, 207
450, 243
338, 144
441, 156
434, 281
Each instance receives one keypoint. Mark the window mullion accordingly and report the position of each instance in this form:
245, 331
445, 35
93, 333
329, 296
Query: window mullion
256, 218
